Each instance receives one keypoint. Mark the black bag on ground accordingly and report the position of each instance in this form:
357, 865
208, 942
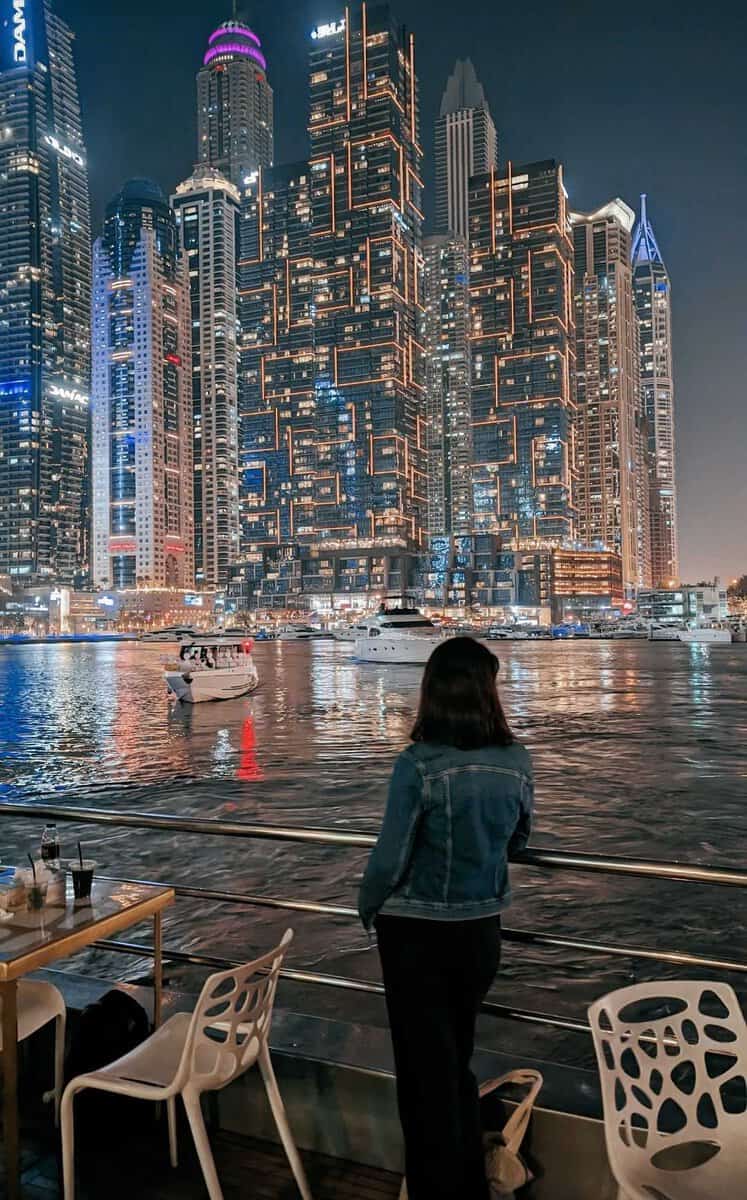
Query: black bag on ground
105, 1030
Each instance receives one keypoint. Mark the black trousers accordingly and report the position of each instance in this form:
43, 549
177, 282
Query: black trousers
436, 973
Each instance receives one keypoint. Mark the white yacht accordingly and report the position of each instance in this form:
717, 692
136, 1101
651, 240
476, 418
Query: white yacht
299, 633
396, 635
171, 633
212, 668
506, 633
665, 633
709, 635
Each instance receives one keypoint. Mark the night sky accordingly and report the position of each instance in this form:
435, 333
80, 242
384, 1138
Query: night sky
630, 98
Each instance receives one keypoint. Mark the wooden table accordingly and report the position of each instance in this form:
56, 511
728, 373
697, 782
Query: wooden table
29, 941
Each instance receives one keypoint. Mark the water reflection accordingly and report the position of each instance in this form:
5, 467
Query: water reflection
639, 748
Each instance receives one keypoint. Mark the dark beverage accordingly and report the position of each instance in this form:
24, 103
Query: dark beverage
82, 879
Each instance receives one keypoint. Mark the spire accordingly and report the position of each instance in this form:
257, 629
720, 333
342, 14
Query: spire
645, 246
463, 89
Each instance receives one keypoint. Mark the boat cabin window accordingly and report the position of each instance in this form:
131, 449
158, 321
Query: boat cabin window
374, 633
423, 623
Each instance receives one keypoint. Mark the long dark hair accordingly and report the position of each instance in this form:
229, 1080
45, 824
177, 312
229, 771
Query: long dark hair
459, 704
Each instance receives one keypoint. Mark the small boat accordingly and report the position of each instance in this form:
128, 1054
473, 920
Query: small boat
708, 635
396, 635
665, 633
212, 668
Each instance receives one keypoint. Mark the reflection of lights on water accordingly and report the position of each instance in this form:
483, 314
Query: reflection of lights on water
249, 769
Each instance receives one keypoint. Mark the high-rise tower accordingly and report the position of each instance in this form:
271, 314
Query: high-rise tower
653, 301
234, 104
523, 355
206, 208
466, 145
447, 387
607, 377
45, 261
332, 374
141, 397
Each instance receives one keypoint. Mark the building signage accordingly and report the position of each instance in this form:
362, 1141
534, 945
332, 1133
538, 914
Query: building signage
20, 51
59, 392
65, 151
325, 31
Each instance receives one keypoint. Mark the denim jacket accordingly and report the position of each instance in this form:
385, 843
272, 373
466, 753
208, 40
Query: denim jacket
452, 818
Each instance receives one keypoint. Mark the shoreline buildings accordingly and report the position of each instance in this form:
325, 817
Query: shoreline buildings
608, 390
45, 280
141, 401
206, 207
332, 395
653, 301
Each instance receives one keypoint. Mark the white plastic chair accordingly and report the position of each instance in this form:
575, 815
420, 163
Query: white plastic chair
673, 1064
199, 1052
38, 1004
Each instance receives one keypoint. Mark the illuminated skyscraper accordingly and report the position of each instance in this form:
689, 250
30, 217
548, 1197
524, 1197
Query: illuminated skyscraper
653, 301
607, 446
206, 208
45, 262
141, 397
334, 402
523, 355
447, 386
234, 104
466, 145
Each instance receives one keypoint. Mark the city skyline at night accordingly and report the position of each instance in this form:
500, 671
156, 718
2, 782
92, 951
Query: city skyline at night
696, 451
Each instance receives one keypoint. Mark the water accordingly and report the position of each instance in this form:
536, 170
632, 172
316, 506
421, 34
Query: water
639, 749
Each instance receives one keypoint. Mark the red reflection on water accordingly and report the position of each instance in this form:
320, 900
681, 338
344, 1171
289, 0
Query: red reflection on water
249, 769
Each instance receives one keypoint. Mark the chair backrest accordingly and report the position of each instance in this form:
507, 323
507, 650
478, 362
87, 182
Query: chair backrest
673, 1064
231, 1021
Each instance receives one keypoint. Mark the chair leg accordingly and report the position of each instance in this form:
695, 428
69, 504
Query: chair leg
202, 1144
173, 1145
68, 1144
281, 1120
59, 1064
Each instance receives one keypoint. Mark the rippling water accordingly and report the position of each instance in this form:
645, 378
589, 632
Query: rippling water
639, 749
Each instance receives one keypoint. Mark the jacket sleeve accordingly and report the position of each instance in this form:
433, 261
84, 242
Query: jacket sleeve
520, 836
391, 854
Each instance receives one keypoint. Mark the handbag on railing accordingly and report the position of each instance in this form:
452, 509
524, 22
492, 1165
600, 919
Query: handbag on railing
504, 1166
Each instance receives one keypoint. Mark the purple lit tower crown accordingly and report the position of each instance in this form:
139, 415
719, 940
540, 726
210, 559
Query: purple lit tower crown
233, 40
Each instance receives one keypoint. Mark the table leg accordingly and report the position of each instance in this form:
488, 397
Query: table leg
157, 969
8, 996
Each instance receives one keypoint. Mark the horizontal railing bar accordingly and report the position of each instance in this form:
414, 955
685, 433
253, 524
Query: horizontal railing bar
533, 857
338, 981
526, 937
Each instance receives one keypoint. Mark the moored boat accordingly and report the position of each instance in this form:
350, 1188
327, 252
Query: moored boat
212, 668
708, 635
396, 635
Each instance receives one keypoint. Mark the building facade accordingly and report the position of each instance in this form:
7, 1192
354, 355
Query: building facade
447, 385
653, 302
608, 388
234, 104
587, 584
45, 261
206, 207
333, 488
466, 145
523, 355
143, 532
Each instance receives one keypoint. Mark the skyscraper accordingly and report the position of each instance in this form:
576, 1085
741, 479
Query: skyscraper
447, 388
141, 396
653, 301
336, 395
206, 207
523, 355
607, 376
466, 145
234, 104
45, 263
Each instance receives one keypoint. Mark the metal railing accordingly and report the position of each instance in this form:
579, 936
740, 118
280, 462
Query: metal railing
533, 857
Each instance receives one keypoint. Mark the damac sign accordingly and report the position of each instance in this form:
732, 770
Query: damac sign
19, 31
324, 31
65, 151
67, 393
